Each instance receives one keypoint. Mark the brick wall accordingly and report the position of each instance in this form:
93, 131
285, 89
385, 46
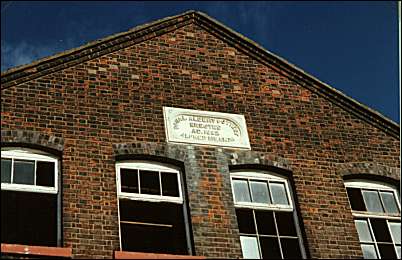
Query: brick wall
112, 105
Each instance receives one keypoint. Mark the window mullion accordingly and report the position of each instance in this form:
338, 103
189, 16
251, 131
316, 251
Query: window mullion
12, 171
35, 166
277, 235
139, 182
160, 183
374, 238
257, 235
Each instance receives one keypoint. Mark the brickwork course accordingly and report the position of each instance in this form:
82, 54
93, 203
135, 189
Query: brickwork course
103, 100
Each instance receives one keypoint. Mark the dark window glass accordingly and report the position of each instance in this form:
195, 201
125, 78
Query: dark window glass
265, 222
149, 182
170, 185
24, 172
286, 225
387, 251
290, 248
5, 170
28, 218
270, 248
381, 231
246, 221
152, 227
129, 180
356, 199
45, 174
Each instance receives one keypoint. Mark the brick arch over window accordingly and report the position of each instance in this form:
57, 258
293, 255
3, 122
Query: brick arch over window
370, 171
32, 139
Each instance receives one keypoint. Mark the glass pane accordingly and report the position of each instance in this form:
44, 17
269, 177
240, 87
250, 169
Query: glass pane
356, 199
398, 251
241, 191
380, 229
24, 172
270, 248
372, 201
387, 251
5, 170
395, 231
170, 185
45, 174
249, 247
149, 182
369, 252
245, 221
363, 231
290, 248
265, 222
390, 205
129, 180
278, 193
259, 191
286, 225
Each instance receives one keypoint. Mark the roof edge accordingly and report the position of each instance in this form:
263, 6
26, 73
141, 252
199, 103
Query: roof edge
19, 74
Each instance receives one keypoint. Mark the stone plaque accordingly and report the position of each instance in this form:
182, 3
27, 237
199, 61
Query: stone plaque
203, 127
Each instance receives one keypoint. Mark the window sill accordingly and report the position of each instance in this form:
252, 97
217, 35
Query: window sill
139, 255
35, 250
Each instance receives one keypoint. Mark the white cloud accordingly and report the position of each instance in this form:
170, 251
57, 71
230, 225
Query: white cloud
13, 55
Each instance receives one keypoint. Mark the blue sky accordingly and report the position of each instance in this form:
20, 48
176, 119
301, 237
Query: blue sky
352, 46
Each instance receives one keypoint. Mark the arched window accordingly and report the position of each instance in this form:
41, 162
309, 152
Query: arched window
152, 208
266, 215
30, 198
376, 210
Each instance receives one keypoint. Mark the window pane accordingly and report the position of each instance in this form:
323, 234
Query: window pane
380, 229
387, 251
5, 170
241, 191
152, 227
265, 222
24, 172
170, 185
290, 248
45, 174
245, 221
149, 182
129, 180
395, 231
249, 247
389, 202
356, 199
369, 252
372, 201
286, 225
278, 193
270, 248
398, 251
363, 231
259, 191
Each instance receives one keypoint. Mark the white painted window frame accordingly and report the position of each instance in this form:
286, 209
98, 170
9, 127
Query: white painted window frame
268, 176
144, 165
31, 155
260, 176
376, 186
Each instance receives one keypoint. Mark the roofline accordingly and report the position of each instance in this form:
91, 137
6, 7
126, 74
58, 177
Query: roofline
94, 49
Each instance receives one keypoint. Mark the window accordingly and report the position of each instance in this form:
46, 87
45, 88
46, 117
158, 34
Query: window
152, 209
376, 210
29, 198
266, 217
